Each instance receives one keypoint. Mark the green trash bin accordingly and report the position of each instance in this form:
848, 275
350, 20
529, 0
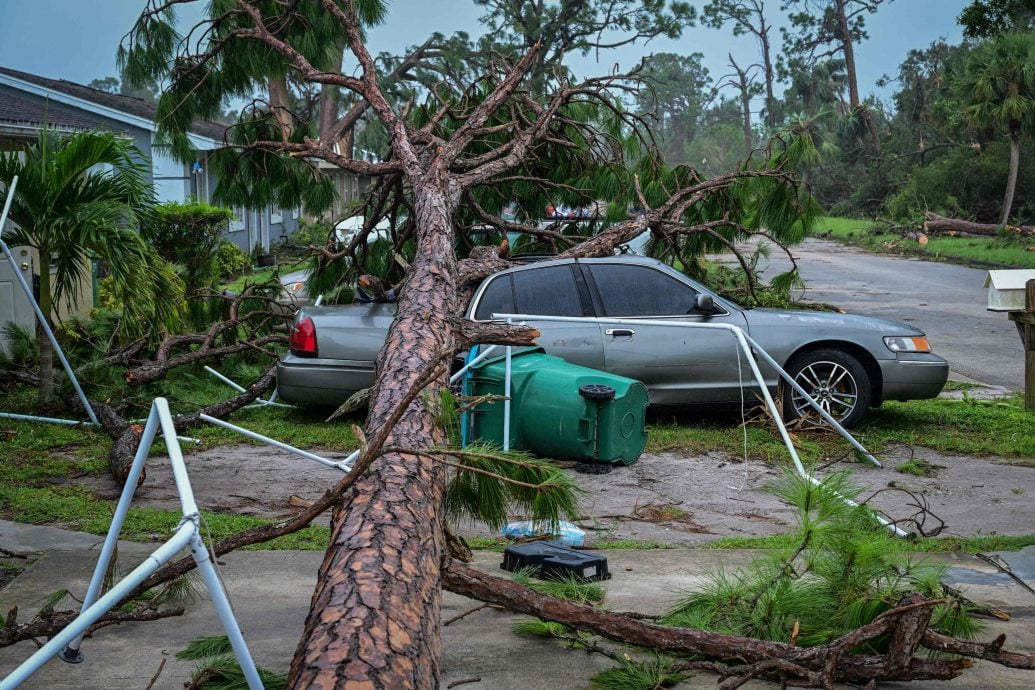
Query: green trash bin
560, 410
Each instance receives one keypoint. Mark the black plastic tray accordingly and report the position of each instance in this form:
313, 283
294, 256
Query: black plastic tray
553, 561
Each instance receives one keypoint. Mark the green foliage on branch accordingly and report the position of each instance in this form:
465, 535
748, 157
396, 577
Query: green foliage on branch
843, 570
988, 18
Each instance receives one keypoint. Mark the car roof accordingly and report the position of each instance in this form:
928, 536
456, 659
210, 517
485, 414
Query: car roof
617, 259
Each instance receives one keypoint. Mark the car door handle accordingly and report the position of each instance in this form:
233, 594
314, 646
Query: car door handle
620, 332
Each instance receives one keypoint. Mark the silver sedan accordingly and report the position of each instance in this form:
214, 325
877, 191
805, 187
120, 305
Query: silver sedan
847, 362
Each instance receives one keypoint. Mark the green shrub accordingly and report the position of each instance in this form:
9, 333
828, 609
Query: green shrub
230, 259
310, 233
188, 234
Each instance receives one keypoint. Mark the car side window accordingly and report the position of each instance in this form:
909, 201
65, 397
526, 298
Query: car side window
627, 290
498, 298
547, 291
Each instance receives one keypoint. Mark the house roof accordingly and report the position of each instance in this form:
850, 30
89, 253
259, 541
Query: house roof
25, 112
136, 108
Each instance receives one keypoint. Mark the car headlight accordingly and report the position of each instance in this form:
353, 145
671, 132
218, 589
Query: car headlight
907, 344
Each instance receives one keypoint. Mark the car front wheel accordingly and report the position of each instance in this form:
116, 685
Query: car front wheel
835, 379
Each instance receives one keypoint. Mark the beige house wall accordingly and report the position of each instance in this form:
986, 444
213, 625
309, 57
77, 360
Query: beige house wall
82, 302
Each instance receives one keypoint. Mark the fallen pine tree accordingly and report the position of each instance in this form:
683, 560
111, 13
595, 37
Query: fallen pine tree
510, 133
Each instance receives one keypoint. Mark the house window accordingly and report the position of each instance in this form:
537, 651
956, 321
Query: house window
238, 222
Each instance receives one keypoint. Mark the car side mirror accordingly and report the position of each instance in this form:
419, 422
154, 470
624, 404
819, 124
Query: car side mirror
704, 303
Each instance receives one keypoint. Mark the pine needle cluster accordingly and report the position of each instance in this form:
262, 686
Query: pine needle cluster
844, 571
218, 668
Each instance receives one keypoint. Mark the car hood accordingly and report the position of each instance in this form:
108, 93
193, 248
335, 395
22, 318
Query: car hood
823, 320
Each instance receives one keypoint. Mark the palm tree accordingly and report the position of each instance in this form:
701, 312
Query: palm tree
82, 196
806, 141
997, 88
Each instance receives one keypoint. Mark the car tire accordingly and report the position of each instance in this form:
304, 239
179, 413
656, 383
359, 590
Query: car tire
836, 379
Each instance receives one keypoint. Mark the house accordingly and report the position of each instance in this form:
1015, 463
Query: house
29, 102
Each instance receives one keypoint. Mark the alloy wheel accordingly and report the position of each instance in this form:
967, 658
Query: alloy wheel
831, 385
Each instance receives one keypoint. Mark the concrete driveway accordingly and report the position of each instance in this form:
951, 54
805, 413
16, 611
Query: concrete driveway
944, 300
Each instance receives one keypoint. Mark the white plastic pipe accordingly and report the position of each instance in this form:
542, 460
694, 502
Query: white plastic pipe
812, 402
75, 422
71, 652
66, 643
473, 363
35, 305
240, 389
506, 402
343, 465
48, 420
224, 611
184, 533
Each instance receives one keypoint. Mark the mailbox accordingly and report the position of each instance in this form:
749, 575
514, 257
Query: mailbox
1006, 289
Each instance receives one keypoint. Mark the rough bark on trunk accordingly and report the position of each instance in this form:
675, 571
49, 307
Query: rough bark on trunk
328, 112
374, 617
279, 104
745, 106
1011, 180
770, 77
933, 223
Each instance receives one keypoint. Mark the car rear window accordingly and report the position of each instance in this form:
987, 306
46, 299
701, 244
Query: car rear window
547, 291
498, 298
641, 291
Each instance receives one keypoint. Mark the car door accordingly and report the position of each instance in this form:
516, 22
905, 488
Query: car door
677, 364
551, 290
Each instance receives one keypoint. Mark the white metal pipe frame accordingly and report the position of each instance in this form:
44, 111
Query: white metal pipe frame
742, 341
343, 465
67, 642
40, 317
259, 402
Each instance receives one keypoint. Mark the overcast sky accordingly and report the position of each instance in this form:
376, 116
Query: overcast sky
77, 39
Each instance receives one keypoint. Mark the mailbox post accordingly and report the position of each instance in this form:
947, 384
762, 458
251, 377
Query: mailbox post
1025, 320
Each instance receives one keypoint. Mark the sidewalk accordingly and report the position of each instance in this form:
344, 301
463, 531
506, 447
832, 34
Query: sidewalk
270, 591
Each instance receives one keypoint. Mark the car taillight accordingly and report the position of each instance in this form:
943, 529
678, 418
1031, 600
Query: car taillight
303, 338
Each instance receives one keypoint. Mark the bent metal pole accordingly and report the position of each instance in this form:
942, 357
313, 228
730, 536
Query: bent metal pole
66, 643
343, 465
35, 305
741, 339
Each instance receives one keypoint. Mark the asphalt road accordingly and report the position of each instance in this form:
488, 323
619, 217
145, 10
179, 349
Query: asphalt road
944, 300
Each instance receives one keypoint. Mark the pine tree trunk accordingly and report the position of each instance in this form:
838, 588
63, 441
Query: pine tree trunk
1011, 180
745, 102
844, 34
770, 76
374, 617
280, 104
329, 105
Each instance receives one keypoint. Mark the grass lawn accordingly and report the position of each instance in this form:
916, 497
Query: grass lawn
983, 251
973, 427
261, 275
37, 460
